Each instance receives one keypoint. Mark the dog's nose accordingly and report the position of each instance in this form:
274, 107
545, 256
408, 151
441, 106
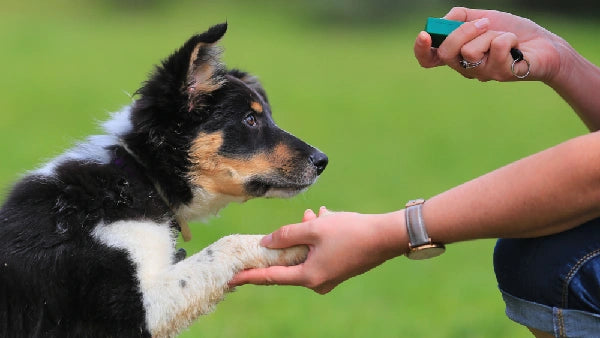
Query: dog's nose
319, 160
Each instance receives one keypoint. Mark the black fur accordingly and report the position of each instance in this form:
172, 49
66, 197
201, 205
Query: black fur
55, 279
161, 118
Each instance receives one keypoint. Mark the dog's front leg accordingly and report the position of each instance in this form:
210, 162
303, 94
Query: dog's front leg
193, 286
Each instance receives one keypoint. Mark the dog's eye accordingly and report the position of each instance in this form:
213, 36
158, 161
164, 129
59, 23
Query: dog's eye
250, 120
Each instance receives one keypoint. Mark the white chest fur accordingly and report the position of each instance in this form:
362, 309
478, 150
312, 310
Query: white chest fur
176, 294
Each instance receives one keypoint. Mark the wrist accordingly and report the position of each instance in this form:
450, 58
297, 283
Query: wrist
575, 81
570, 67
393, 236
559, 74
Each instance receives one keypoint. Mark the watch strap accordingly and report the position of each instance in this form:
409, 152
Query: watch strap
414, 223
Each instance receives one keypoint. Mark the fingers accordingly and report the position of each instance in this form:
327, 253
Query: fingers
281, 275
494, 49
287, 236
294, 234
473, 42
274, 275
465, 14
500, 48
324, 212
477, 48
483, 43
449, 50
309, 215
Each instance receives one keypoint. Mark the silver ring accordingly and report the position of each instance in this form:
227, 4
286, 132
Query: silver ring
512, 69
468, 65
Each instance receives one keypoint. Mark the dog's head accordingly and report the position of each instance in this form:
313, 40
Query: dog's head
199, 126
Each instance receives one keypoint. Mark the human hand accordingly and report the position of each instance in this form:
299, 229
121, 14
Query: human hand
341, 245
488, 36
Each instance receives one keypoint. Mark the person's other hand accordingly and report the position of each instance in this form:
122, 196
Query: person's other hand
488, 36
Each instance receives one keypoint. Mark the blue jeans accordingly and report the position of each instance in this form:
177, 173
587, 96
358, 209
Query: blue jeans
552, 283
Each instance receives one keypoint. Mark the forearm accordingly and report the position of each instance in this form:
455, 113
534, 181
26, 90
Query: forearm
545, 193
577, 82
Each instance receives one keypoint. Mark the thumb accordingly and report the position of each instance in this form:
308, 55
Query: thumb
287, 236
425, 55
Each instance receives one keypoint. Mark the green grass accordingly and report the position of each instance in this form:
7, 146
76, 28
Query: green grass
393, 131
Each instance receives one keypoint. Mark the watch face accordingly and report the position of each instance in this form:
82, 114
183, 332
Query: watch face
426, 251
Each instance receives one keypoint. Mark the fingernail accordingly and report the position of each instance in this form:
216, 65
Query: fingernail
422, 37
267, 240
307, 211
482, 23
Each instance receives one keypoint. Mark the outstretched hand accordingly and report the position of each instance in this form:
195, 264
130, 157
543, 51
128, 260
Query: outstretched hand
342, 245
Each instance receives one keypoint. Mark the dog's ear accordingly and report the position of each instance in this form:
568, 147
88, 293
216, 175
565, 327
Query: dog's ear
195, 69
205, 72
250, 81
185, 77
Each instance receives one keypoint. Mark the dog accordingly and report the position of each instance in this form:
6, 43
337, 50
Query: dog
87, 241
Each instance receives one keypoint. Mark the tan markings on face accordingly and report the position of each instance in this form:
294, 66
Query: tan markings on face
224, 175
257, 107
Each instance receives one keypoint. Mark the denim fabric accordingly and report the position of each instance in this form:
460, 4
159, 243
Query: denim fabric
560, 322
553, 282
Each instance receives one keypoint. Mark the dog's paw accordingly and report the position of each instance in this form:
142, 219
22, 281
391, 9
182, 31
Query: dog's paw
247, 253
289, 256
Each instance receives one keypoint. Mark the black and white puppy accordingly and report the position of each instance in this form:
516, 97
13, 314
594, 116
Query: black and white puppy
87, 242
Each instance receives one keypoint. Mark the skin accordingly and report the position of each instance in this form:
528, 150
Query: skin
545, 193
489, 35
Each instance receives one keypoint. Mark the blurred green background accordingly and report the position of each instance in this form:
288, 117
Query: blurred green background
339, 74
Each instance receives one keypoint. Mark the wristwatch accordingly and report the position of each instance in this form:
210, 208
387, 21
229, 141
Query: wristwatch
420, 245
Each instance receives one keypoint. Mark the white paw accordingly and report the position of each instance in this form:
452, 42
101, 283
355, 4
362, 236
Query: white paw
289, 256
247, 253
